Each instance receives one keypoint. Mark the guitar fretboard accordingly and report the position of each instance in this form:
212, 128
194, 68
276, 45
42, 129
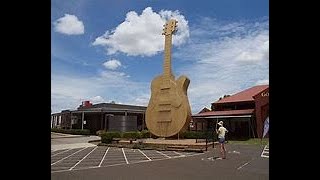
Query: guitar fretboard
167, 56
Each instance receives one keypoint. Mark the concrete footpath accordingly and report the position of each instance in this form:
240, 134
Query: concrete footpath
61, 141
55, 135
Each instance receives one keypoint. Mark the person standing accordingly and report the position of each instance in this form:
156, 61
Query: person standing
221, 136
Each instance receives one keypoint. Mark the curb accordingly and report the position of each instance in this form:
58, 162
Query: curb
68, 137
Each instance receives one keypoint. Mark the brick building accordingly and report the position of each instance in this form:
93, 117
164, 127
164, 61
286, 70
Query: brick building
243, 113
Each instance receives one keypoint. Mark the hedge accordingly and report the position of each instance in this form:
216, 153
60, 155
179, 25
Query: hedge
107, 137
131, 135
145, 134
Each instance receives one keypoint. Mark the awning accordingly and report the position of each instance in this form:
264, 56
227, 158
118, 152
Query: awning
217, 117
225, 114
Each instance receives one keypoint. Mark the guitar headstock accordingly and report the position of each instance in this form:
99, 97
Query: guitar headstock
170, 27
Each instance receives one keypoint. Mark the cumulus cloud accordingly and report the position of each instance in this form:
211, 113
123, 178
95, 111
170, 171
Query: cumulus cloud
97, 99
68, 91
263, 82
114, 75
112, 64
69, 24
228, 58
142, 34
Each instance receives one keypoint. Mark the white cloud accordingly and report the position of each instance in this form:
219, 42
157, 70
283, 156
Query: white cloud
142, 34
69, 24
142, 100
112, 64
114, 75
97, 99
263, 82
67, 91
224, 62
219, 58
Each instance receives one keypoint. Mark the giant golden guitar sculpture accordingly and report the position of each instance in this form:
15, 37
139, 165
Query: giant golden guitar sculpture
168, 112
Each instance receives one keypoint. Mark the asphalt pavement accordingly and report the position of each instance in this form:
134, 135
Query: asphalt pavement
244, 162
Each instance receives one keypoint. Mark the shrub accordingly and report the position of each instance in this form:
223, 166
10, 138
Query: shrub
145, 134
98, 133
132, 135
107, 137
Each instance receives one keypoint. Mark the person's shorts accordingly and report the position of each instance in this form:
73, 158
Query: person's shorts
221, 140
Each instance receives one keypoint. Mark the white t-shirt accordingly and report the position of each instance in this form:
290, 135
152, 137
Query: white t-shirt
222, 132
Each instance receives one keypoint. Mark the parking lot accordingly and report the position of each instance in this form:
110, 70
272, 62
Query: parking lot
75, 158
103, 156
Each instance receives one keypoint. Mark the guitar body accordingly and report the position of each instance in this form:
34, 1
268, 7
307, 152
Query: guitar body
168, 111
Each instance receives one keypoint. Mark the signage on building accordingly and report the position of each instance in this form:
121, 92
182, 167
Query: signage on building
264, 94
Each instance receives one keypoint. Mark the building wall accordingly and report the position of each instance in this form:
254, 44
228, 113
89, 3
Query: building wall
261, 110
55, 123
66, 120
233, 106
95, 121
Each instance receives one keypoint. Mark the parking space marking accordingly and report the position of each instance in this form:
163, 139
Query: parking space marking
83, 158
62, 151
125, 156
172, 154
242, 165
96, 157
179, 154
60, 156
265, 152
163, 154
104, 156
144, 154
134, 155
69, 156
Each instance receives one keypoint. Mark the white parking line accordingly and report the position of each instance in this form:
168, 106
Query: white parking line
68, 156
104, 156
163, 154
179, 154
265, 151
61, 152
118, 164
125, 156
83, 158
243, 165
144, 154
264, 156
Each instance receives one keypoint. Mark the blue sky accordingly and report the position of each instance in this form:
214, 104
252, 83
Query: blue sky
106, 51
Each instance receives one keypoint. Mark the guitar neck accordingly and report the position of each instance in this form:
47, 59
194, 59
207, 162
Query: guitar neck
167, 56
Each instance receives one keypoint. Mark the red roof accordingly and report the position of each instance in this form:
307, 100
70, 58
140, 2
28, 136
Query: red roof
224, 113
246, 95
205, 109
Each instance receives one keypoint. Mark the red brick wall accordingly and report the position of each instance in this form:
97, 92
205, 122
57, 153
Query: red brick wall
262, 110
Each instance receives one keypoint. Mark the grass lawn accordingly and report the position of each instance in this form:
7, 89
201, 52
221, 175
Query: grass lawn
253, 141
